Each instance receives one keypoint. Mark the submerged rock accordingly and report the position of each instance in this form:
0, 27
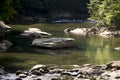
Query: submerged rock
53, 43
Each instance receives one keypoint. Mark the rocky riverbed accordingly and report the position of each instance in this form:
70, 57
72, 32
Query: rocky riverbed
109, 71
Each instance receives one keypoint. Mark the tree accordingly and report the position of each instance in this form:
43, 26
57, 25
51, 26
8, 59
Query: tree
6, 9
107, 12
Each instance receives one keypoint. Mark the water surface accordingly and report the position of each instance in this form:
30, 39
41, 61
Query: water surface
91, 49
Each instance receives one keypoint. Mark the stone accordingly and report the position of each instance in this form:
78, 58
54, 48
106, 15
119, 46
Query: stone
5, 45
56, 71
3, 26
110, 75
39, 69
22, 75
113, 64
38, 66
35, 33
117, 48
18, 72
77, 31
4, 29
53, 43
103, 31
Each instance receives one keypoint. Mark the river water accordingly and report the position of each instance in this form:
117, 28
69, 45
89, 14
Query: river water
91, 49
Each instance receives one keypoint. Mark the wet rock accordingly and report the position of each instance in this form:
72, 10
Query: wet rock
22, 75
39, 66
39, 69
35, 33
79, 31
56, 71
54, 43
36, 72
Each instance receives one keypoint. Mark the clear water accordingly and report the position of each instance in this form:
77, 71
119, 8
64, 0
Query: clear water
91, 49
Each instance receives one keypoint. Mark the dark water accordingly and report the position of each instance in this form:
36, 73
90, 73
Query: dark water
91, 49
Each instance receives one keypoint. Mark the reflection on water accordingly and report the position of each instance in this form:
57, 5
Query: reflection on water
91, 49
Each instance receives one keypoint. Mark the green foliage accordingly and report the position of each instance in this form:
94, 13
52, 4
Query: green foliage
107, 12
6, 9
18, 9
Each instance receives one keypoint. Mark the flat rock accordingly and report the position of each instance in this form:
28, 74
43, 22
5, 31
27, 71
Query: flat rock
53, 43
35, 33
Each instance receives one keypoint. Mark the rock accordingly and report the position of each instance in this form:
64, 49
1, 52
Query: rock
77, 31
113, 64
22, 75
106, 34
56, 71
39, 69
35, 33
54, 43
2, 71
103, 31
5, 45
117, 48
3, 26
4, 29
110, 75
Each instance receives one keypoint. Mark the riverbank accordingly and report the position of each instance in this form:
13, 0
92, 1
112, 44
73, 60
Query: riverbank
109, 71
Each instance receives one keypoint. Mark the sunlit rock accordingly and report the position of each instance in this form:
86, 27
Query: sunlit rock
39, 69
53, 43
35, 33
77, 31
117, 48
3, 30
3, 26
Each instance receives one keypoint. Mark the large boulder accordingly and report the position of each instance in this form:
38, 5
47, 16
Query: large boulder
35, 33
54, 43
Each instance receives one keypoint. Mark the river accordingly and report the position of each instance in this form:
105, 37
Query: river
91, 49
